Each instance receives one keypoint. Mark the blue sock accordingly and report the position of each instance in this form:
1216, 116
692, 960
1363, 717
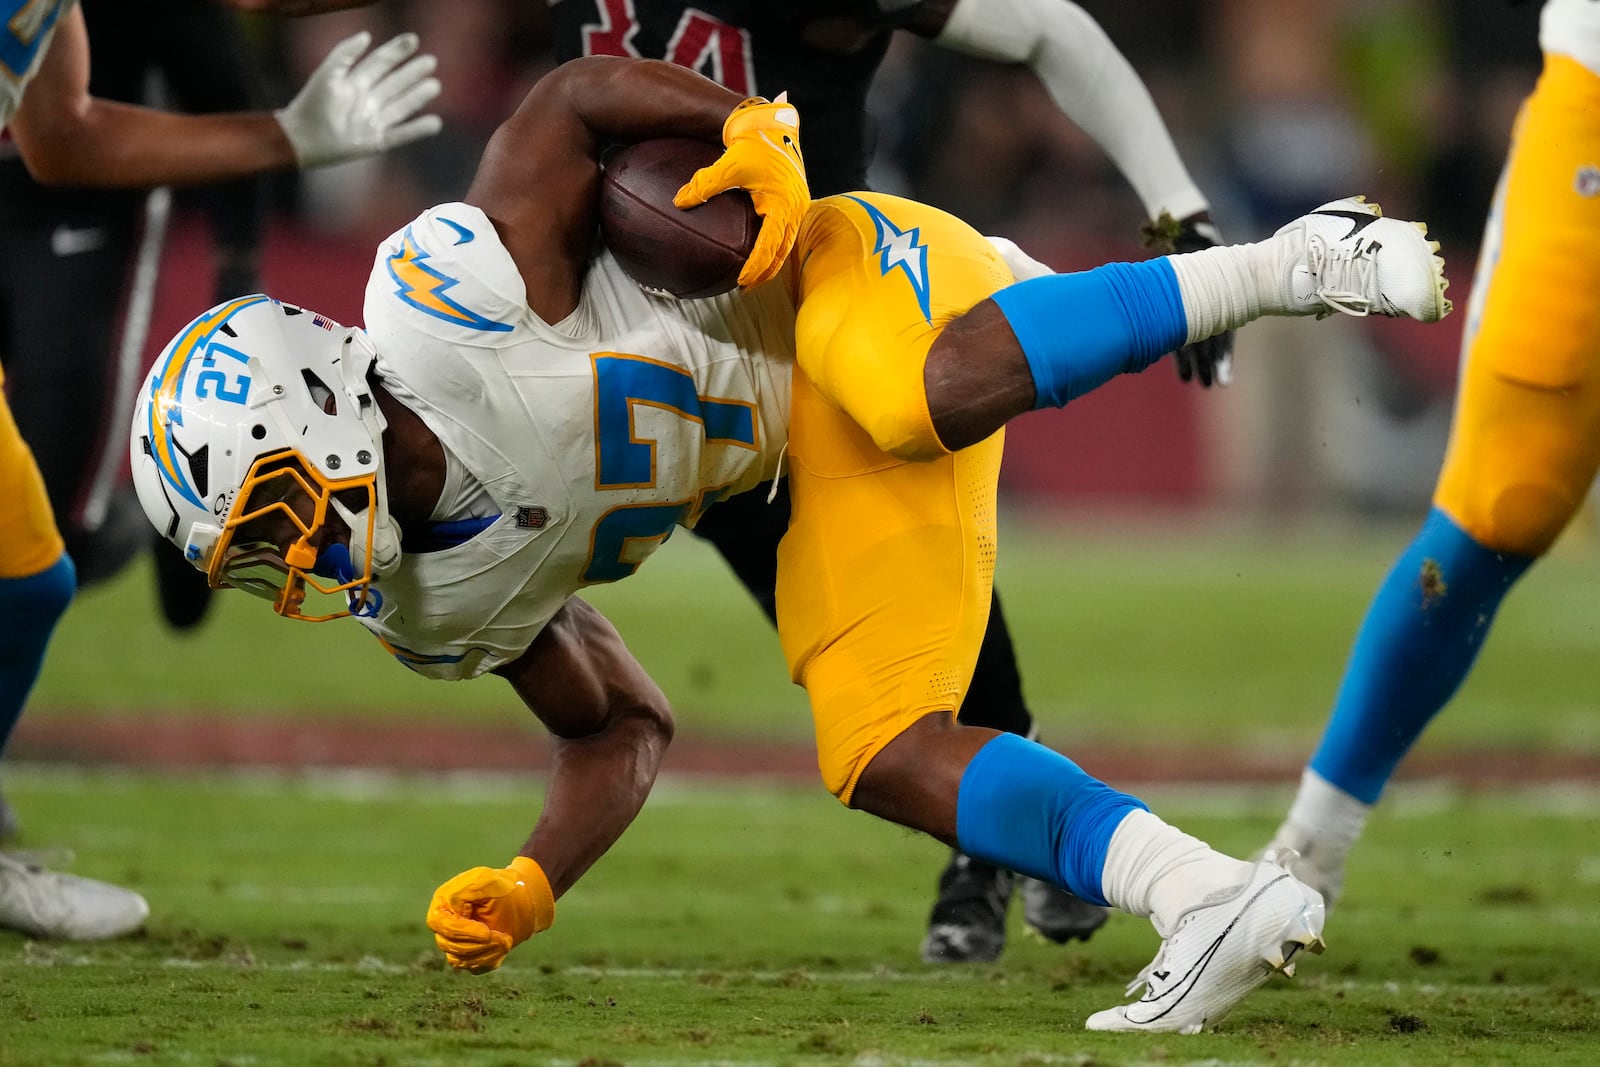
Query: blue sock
1032, 810
1078, 331
31, 606
1419, 640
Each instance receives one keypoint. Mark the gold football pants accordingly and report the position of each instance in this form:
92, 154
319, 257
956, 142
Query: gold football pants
1525, 442
884, 575
29, 540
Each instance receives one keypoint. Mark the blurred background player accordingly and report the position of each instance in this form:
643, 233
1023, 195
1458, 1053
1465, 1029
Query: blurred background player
354, 105
1523, 452
79, 270
825, 55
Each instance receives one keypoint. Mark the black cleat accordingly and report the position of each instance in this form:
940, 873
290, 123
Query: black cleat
1056, 915
183, 591
968, 923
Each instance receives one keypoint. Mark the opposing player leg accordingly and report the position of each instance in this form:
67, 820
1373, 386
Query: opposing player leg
63, 349
1523, 452
36, 585
884, 582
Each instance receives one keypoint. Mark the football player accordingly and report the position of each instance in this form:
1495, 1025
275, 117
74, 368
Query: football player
353, 106
519, 420
1524, 448
824, 55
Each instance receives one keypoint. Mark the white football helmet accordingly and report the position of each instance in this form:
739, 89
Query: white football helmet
255, 421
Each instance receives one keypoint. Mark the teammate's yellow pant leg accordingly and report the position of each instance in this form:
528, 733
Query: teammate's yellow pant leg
1525, 443
884, 576
29, 540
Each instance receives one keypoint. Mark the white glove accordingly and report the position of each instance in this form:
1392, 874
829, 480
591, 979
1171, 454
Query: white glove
347, 110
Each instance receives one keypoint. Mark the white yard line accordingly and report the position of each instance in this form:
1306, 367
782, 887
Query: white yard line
1575, 799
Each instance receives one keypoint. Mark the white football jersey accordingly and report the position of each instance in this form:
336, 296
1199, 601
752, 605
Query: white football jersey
1572, 28
24, 39
596, 436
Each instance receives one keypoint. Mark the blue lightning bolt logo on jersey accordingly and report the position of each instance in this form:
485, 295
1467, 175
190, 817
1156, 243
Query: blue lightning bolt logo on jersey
424, 287
901, 249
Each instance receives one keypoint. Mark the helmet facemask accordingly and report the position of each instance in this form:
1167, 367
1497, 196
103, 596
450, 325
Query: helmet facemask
282, 540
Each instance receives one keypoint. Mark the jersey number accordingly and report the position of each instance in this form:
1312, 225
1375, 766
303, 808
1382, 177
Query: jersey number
623, 384
717, 49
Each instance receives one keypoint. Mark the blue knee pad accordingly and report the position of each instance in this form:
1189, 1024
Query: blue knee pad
32, 605
1032, 810
1419, 640
1078, 331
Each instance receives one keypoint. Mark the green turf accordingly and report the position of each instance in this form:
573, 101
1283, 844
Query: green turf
1231, 638
752, 925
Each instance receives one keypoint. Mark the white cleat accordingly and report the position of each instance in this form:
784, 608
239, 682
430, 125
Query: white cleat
1352, 260
1318, 864
42, 903
1220, 951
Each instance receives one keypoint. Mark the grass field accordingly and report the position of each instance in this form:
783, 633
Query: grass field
1218, 636
743, 924
753, 923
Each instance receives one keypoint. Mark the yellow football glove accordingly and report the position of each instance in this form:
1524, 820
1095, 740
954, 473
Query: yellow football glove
480, 915
762, 157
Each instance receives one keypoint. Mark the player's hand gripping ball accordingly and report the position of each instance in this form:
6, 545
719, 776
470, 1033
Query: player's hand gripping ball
689, 253
758, 183
762, 138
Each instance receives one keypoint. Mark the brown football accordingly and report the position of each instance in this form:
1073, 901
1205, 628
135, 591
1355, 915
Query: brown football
691, 254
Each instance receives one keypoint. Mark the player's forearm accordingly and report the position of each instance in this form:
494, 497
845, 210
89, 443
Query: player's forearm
597, 786
629, 100
1092, 83
102, 143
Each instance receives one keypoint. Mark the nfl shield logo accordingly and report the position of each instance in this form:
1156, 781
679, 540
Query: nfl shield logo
532, 518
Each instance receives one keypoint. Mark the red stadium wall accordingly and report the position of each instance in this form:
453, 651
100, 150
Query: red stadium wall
1137, 439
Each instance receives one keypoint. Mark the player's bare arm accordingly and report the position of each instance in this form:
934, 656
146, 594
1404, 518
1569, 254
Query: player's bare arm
541, 171
611, 725
540, 174
68, 137
353, 106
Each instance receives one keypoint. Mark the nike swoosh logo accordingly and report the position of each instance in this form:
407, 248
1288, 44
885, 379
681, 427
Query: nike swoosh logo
1186, 983
66, 241
1359, 220
464, 234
